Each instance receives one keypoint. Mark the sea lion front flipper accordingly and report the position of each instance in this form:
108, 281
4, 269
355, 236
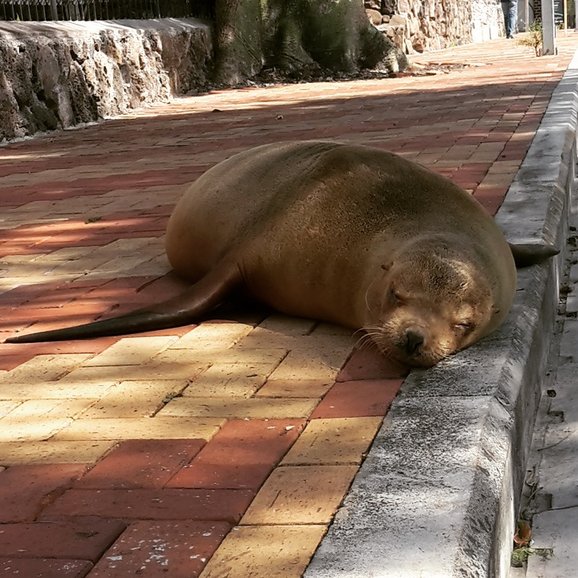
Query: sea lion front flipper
202, 297
526, 254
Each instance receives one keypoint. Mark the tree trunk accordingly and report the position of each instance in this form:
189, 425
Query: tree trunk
298, 38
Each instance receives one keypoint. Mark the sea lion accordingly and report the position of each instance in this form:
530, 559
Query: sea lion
338, 232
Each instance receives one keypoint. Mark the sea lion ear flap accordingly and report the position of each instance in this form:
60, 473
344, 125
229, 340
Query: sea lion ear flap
531, 253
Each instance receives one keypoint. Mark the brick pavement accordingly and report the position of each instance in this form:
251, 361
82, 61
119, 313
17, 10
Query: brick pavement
222, 449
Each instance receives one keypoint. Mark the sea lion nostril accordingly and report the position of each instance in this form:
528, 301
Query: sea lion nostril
414, 339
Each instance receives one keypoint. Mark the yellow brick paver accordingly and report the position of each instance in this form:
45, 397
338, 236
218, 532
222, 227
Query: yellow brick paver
172, 364
140, 428
31, 428
7, 406
37, 409
242, 353
310, 364
234, 379
131, 399
223, 407
43, 368
265, 552
333, 441
131, 351
213, 336
312, 388
52, 452
282, 324
300, 495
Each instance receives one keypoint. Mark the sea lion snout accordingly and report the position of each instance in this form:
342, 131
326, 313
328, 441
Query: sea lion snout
417, 339
413, 341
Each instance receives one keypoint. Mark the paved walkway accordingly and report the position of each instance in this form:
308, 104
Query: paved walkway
223, 449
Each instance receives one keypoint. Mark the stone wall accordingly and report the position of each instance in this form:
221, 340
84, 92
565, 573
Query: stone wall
423, 25
60, 74
55, 75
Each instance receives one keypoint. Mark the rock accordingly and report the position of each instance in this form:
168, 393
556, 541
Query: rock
373, 5
420, 25
389, 7
374, 16
418, 43
398, 20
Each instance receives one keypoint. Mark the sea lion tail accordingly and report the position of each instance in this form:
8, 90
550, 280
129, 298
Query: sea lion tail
187, 307
527, 254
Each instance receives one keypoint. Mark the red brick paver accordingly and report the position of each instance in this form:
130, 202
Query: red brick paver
141, 464
223, 448
75, 539
152, 548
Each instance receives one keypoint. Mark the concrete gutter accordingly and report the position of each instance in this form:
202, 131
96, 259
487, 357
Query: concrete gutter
439, 491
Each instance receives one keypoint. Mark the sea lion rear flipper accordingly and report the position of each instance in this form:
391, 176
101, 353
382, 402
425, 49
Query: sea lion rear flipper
527, 254
185, 308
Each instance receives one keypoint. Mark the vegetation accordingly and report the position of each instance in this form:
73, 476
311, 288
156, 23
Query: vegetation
532, 38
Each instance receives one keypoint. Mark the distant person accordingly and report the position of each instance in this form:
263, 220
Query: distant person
510, 8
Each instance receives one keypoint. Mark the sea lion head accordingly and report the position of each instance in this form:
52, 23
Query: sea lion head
431, 301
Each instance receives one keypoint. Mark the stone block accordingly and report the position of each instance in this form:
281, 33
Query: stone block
381, 518
374, 16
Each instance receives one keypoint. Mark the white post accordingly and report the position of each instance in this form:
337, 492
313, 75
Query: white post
548, 28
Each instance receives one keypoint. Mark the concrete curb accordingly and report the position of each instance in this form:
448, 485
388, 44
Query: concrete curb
439, 491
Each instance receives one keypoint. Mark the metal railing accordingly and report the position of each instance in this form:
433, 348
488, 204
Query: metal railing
38, 10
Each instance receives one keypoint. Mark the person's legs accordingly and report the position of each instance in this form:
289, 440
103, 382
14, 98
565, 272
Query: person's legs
511, 17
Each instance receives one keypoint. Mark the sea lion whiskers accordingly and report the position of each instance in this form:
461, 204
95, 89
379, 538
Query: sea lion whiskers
367, 337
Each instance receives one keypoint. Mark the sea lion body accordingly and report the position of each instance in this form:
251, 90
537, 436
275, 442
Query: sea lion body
313, 225
337, 232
